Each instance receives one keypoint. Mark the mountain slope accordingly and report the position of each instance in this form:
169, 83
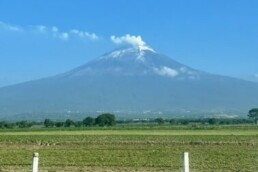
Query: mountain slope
131, 80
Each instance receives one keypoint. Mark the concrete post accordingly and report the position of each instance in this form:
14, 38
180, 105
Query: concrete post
186, 162
35, 163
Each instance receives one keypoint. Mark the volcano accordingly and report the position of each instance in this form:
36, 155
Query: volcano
130, 82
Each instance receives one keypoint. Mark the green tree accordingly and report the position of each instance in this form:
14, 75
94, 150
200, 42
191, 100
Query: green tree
185, 122
68, 123
89, 121
9, 125
160, 121
49, 123
173, 121
253, 114
106, 119
2, 124
212, 121
78, 124
59, 124
24, 124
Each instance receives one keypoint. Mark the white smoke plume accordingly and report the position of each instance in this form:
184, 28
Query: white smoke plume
133, 40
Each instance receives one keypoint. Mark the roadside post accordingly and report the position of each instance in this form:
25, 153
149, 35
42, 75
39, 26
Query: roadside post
186, 162
35, 163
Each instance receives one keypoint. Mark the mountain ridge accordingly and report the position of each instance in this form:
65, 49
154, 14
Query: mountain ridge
130, 79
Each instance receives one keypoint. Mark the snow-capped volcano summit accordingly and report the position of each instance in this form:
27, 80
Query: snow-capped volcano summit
130, 80
145, 47
136, 61
133, 51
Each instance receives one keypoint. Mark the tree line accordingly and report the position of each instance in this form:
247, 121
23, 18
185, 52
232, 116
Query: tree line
102, 120
181, 121
108, 119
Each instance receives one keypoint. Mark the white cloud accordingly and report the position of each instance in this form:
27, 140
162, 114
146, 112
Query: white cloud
54, 31
93, 36
64, 36
77, 32
166, 71
39, 28
133, 40
60, 35
82, 34
10, 27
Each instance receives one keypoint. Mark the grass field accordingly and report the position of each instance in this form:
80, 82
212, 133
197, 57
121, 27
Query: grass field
131, 149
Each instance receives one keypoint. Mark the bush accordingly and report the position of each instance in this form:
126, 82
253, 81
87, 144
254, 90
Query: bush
160, 121
49, 123
59, 124
68, 123
106, 119
24, 124
89, 121
173, 121
212, 121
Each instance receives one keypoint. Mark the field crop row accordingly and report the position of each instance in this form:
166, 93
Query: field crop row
84, 151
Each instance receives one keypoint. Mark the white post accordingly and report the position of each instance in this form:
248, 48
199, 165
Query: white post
186, 162
35, 163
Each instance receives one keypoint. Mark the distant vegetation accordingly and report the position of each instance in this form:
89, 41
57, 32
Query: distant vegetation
253, 114
107, 120
181, 121
102, 120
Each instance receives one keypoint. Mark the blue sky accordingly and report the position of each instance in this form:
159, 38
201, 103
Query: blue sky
44, 37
